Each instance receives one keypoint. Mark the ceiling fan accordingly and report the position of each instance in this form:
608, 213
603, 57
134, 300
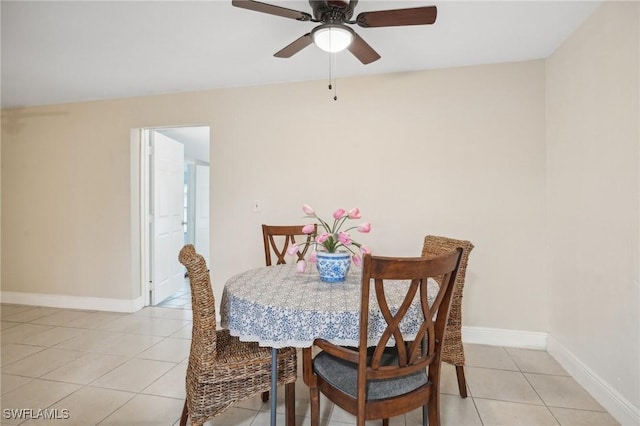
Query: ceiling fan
333, 35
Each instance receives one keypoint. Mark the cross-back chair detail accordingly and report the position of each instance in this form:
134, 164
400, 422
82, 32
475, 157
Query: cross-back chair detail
222, 370
278, 239
452, 350
399, 373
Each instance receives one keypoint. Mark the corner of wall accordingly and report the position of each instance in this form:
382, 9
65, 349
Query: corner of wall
617, 405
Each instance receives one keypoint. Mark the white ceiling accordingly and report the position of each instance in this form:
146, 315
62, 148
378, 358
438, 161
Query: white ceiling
62, 51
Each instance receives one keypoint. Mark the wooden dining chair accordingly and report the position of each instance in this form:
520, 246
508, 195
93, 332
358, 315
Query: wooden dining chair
222, 370
400, 373
278, 238
452, 351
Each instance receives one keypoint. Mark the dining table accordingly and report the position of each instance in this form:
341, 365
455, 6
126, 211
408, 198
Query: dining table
277, 306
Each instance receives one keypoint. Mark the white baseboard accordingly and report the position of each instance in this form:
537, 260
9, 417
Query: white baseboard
617, 405
502, 337
73, 302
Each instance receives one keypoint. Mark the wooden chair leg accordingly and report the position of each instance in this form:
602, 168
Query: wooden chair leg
314, 400
265, 396
385, 422
462, 383
290, 403
185, 414
433, 409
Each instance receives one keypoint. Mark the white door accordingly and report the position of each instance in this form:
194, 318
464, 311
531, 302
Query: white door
201, 238
167, 236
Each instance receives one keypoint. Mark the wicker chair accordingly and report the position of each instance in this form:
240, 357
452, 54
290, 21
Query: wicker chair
277, 239
396, 375
452, 351
223, 370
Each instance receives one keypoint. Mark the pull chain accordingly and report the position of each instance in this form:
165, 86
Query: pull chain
330, 68
332, 81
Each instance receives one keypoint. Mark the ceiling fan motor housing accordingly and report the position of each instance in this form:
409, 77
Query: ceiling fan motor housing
332, 11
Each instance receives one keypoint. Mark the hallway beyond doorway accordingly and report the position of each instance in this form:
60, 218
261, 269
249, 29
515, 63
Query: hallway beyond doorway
181, 299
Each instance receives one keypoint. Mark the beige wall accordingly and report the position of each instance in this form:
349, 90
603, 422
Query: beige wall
458, 152
593, 140
537, 163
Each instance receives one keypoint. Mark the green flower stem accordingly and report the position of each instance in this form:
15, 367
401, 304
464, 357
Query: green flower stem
332, 244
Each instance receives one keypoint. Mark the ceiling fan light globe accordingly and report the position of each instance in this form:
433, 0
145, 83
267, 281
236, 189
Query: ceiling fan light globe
332, 38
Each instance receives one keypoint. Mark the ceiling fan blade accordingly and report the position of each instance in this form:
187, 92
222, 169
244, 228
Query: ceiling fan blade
362, 50
392, 18
294, 47
271, 9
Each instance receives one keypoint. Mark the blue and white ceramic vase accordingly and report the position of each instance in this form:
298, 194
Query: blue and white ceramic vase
333, 267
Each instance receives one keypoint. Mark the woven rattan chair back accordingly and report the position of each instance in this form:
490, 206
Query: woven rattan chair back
452, 351
399, 373
203, 305
223, 370
278, 238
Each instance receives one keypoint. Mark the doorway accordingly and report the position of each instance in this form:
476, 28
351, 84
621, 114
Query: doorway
175, 202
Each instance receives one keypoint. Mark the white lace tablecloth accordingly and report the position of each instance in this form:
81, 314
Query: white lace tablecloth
277, 306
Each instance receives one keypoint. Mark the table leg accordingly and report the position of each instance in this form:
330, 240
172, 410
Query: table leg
274, 385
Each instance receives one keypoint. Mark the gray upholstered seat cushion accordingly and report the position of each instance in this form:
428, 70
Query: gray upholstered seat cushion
343, 375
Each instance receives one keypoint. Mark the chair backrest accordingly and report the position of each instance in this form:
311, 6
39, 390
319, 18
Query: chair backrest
435, 246
453, 352
203, 335
278, 238
414, 353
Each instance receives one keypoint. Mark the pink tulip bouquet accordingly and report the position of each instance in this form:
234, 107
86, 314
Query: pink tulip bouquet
333, 239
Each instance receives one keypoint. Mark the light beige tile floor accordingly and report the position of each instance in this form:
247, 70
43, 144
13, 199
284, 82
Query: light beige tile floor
99, 368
